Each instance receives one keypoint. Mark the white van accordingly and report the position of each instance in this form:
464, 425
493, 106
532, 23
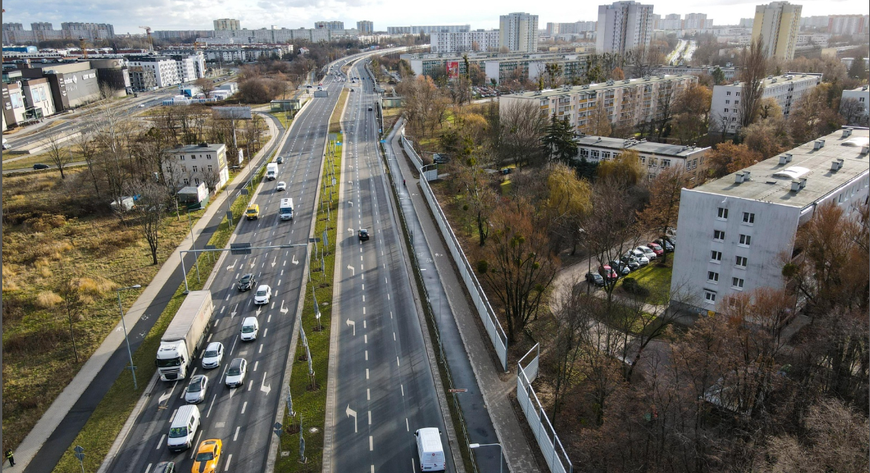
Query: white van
429, 449
285, 211
183, 428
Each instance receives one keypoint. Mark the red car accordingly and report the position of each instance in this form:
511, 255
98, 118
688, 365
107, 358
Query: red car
657, 249
608, 272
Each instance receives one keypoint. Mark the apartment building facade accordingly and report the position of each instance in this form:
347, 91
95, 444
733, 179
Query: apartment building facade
223, 24
778, 24
786, 90
365, 27
623, 26
737, 232
478, 40
429, 29
655, 157
518, 32
629, 102
500, 67
164, 70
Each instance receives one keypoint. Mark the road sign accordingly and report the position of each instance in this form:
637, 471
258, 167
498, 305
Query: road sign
325, 239
240, 248
80, 452
457, 390
313, 240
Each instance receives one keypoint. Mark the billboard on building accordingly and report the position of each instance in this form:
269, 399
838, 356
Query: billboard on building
452, 69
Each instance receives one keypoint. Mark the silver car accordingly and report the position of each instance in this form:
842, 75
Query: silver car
236, 372
196, 389
214, 354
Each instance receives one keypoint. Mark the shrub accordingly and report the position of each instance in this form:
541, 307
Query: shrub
631, 286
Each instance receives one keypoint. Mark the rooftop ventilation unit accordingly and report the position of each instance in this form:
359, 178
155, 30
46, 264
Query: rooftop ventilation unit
836, 165
865, 149
847, 132
738, 178
819, 144
803, 182
746, 175
795, 186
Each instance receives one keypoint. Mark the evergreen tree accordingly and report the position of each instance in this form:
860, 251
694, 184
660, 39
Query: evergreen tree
558, 142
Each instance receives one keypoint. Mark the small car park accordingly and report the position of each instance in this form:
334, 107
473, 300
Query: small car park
363, 234
236, 373
250, 329
195, 392
207, 456
595, 278
213, 355
263, 295
282, 186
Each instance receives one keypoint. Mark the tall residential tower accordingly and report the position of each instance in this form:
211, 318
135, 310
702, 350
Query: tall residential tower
518, 32
623, 26
778, 24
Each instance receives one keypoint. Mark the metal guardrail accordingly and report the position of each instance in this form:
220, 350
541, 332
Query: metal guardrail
549, 443
484, 310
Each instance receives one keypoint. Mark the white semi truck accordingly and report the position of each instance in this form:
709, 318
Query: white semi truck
271, 171
184, 336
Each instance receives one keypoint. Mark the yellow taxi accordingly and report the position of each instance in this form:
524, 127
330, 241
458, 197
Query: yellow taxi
207, 456
253, 212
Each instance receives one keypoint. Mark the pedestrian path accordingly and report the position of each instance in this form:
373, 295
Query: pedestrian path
486, 405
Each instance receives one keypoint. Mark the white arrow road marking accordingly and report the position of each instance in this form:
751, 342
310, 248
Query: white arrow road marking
350, 202
233, 313
294, 262
352, 269
351, 413
230, 268
282, 309
274, 261
263, 386
351, 323
166, 395
350, 230
253, 263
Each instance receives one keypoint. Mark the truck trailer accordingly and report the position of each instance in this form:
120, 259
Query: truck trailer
184, 336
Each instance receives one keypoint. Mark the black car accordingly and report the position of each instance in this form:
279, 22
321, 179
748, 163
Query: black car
279, 160
363, 234
247, 282
665, 244
595, 278
40, 166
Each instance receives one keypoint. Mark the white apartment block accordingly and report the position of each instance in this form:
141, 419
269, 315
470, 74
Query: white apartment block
729, 72
479, 40
671, 22
499, 67
278, 35
365, 27
860, 95
623, 26
847, 24
400, 30
627, 102
519, 32
735, 233
785, 89
695, 21
190, 67
227, 24
655, 157
778, 23
165, 69
188, 165
579, 27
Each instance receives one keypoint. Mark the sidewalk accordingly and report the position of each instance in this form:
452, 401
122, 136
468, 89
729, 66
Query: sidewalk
473, 365
71, 395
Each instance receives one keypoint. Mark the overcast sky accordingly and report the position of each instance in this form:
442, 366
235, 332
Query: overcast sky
127, 16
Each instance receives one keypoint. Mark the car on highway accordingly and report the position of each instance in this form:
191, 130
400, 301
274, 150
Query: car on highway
253, 212
213, 355
236, 372
282, 186
207, 456
196, 388
263, 295
40, 166
247, 282
279, 160
363, 234
595, 278
250, 329
165, 467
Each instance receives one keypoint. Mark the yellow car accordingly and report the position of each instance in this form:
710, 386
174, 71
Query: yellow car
207, 456
253, 212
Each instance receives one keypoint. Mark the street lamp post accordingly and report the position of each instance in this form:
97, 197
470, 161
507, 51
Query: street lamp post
124, 324
500, 461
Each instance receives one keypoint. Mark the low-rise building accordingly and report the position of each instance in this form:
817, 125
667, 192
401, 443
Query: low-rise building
193, 165
478, 40
38, 100
736, 233
860, 99
164, 69
72, 83
655, 157
628, 102
786, 90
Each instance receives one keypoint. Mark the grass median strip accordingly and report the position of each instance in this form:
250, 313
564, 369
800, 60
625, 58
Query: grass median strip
112, 412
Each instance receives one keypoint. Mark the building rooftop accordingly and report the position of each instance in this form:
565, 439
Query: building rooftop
770, 80
772, 180
196, 148
611, 84
643, 146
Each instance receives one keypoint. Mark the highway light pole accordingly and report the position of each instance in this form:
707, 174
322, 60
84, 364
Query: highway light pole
124, 325
500, 461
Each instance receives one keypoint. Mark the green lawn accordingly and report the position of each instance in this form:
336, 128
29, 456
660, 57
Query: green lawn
656, 279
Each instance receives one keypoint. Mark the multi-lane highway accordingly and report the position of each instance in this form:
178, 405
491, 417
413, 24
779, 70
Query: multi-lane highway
242, 417
383, 385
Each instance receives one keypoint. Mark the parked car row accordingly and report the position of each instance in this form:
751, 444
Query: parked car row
632, 260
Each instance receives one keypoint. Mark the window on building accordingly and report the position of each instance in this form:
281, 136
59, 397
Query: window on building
595, 154
584, 152
181, 157
196, 179
208, 156
737, 283
209, 168
722, 213
192, 156
748, 218
737, 94
186, 181
666, 163
740, 261
715, 256
712, 276
605, 155
643, 160
727, 102
718, 235
736, 102
194, 169
709, 297
745, 240
728, 93
726, 110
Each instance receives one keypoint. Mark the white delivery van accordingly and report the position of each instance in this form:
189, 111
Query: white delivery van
271, 171
429, 449
183, 428
286, 209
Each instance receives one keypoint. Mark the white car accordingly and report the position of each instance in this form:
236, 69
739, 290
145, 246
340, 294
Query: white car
213, 355
196, 389
264, 294
647, 251
250, 329
641, 257
236, 372
282, 186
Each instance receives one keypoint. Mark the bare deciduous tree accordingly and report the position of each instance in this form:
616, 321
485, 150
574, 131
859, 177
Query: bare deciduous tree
752, 75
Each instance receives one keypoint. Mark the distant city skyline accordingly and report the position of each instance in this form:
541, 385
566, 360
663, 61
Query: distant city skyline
200, 14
